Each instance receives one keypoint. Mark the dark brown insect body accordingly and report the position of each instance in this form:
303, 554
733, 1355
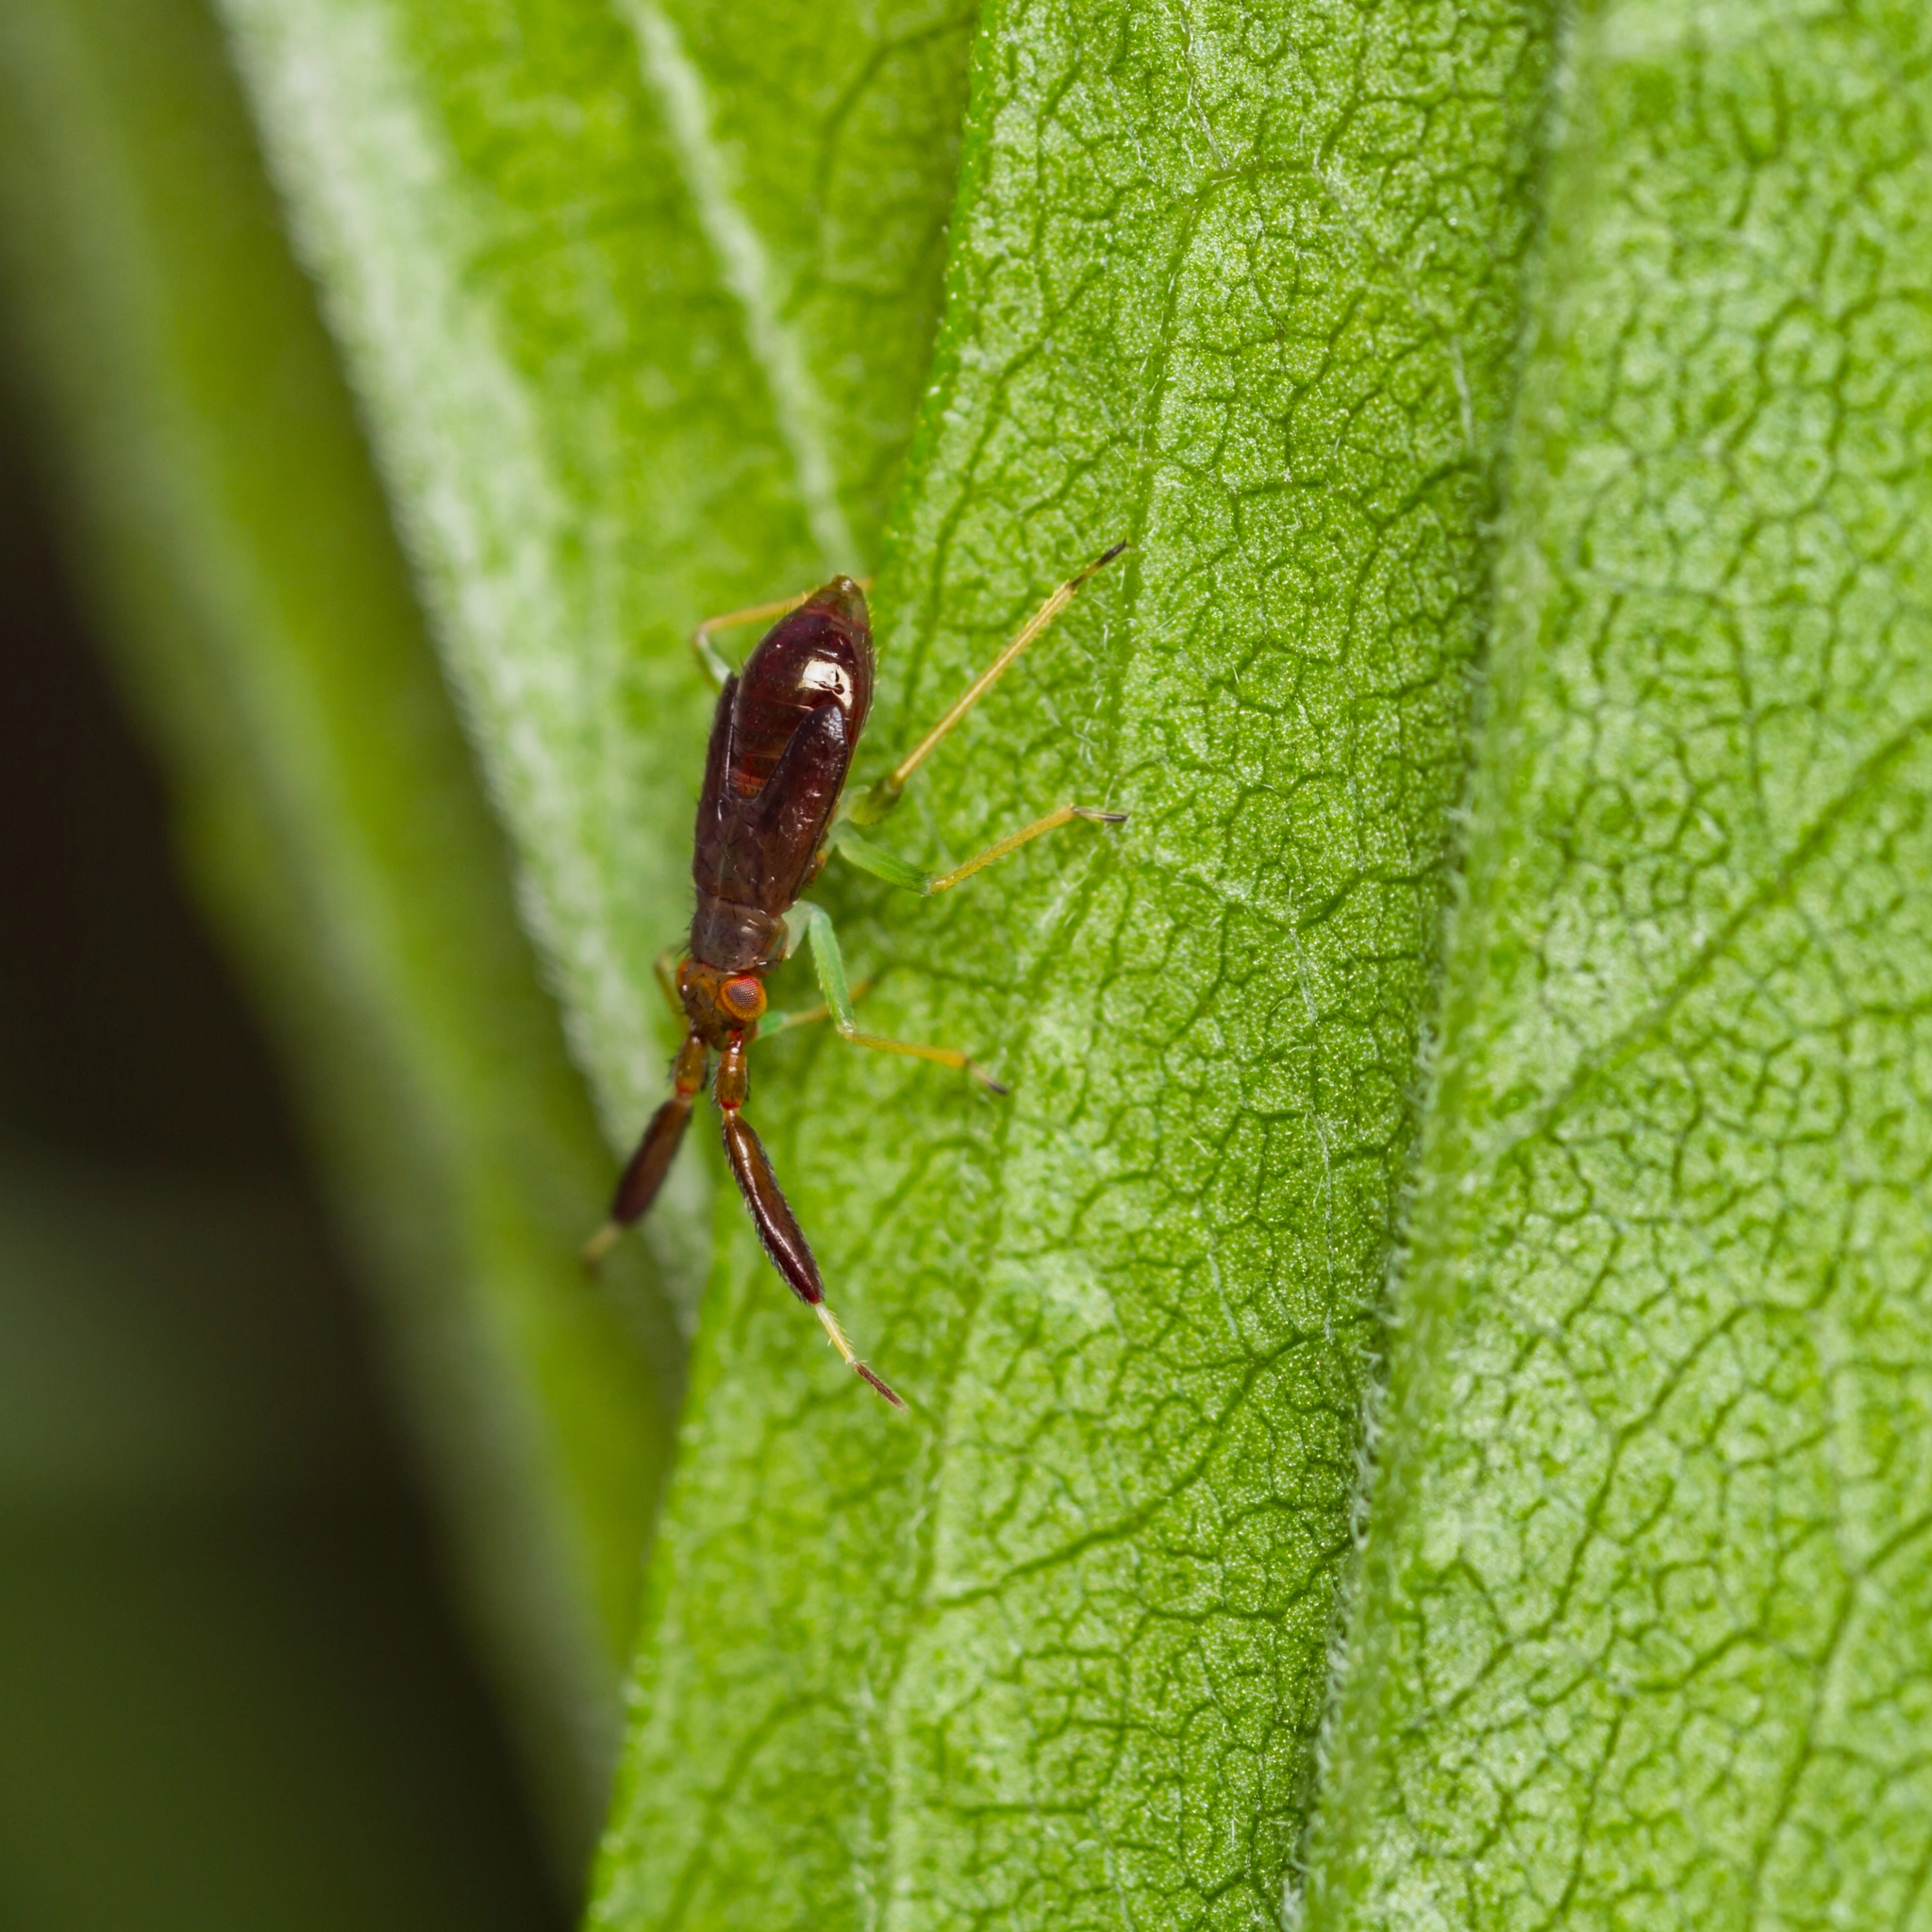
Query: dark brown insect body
782, 742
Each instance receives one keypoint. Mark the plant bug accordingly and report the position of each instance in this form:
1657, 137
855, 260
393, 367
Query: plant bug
771, 811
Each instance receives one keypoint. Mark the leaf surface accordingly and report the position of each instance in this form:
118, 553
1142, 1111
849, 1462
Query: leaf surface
1239, 284
1642, 1633
225, 522
611, 312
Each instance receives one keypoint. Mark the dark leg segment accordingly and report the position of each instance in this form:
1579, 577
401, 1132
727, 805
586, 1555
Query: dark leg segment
771, 1213
643, 1174
778, 1229
637, 1186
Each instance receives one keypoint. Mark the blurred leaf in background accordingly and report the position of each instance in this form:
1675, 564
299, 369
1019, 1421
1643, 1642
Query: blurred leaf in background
227, 523
232, 1689
228, 534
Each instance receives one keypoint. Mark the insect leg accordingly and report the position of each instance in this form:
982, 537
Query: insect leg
860, 850
784, 1023
707, 653
830, 965
665, 967
883, 796
771, 1213
643, 1173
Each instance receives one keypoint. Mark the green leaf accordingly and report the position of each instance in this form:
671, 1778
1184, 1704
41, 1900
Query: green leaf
637, 340
225, 517
1642, 1632
639, 303
1239, 284
638, 331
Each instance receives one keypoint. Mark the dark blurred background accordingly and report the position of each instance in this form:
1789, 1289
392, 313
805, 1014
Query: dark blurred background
232, 1691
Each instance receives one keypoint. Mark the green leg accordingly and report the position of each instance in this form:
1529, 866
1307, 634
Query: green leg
860, 850
665, 966
784, 1023
830, 965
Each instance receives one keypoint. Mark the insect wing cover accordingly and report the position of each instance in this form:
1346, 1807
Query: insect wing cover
795, 715
711, 837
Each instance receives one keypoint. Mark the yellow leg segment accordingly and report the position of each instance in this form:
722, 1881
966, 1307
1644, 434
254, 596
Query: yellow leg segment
939, 1056
829, 1322
1063, 815
885, 794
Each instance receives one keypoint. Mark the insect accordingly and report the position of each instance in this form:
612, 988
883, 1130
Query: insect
771, 812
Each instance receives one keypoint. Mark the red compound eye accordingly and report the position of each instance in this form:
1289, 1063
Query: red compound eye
744, 998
